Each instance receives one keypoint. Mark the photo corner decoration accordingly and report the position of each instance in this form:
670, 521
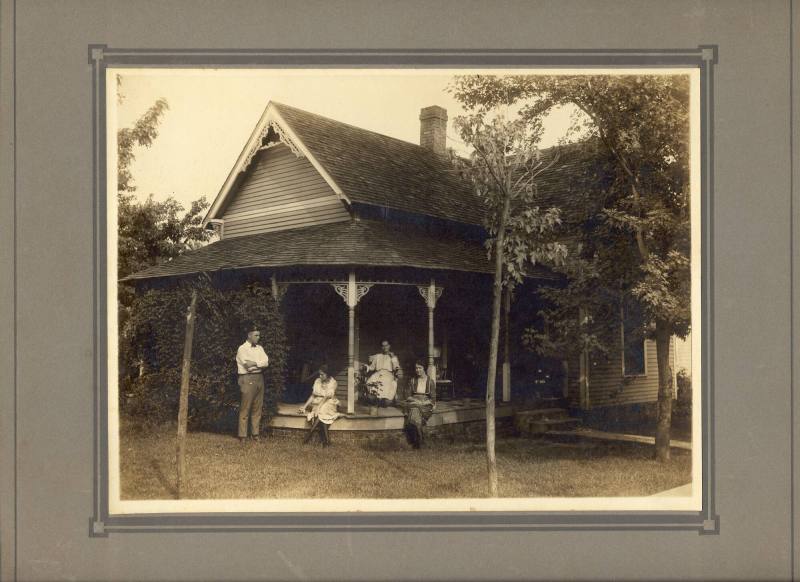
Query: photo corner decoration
361, 292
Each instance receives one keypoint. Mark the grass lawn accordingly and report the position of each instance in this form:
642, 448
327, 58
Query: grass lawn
219, 467
681, 428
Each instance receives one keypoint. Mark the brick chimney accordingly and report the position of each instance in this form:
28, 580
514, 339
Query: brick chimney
433, 128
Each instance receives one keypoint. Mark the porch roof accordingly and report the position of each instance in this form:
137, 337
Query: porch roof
357, 242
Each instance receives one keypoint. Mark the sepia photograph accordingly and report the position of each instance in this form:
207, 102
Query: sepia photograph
380, 290
355, 290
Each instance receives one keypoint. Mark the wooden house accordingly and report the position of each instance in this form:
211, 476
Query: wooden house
366, 237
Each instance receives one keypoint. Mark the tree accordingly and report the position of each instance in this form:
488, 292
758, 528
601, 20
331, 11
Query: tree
641, 122
149, 231
142, 134
503, 168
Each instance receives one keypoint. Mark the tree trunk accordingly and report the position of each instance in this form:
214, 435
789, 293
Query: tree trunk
183, 406
664, 422
494, 345
506, 345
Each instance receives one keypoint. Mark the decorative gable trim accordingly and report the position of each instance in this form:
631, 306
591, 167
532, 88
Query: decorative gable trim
270, 119
283, 138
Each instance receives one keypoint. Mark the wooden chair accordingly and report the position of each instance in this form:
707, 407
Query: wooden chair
444, 381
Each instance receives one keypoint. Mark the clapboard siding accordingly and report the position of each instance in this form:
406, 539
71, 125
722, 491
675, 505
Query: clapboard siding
683, 354
280, 178
277, 204
281, 191
607, 386
276, 186
258, 202
243, 228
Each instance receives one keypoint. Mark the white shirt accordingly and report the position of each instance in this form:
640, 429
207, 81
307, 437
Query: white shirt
383, 362
254, 353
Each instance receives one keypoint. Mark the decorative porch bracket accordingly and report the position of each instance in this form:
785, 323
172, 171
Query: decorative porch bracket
352, 293
431, 295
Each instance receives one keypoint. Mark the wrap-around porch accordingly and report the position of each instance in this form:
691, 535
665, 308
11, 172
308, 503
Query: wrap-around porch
436, 318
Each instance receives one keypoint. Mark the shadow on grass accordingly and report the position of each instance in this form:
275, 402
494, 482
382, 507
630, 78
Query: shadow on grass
162, 478
220, 467
383, 446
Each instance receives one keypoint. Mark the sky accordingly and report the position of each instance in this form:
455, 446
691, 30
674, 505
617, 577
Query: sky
213, 112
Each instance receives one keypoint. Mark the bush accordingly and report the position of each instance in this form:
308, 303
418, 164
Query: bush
683, 404
155, 336
684, 382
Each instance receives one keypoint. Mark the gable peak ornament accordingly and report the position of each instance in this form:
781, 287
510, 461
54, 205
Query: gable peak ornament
282, 137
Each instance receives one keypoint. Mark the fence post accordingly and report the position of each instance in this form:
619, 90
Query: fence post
183, 407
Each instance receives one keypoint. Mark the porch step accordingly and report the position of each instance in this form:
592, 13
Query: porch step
340, 370
550, 402
561, 424
548, 412
542, 420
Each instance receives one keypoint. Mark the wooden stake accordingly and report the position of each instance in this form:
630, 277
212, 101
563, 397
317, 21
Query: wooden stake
183, 407
506, 347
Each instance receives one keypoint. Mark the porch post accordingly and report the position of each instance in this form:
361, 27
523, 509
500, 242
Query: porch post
357, 339
583, 377
351, 293
431, 294
445, 347
351, 342
506, 354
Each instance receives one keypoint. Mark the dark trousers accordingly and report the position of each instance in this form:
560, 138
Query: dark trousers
322, 429
414, 435
252, 392
413, 425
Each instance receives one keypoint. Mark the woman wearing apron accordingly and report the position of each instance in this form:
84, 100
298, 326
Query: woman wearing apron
321, 407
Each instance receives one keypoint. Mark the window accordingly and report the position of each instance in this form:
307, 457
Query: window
633, 346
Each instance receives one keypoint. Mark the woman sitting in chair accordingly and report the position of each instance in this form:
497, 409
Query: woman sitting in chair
321, 406
419, 405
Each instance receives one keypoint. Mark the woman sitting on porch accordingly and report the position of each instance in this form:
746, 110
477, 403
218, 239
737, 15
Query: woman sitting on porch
419, 405
323, 406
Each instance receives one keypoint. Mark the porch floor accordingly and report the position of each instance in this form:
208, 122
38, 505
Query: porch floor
391, 418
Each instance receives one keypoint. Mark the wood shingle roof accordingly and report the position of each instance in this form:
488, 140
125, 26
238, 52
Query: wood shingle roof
358, 242
378, 170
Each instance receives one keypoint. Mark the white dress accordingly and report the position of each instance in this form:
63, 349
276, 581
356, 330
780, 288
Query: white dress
384, 368
324, 409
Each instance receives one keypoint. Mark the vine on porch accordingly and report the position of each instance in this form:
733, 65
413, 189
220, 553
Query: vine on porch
156, 331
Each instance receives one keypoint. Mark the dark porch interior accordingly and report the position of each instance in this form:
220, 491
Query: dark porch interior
317, 323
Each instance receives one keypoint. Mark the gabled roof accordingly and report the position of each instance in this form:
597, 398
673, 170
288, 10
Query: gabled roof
366, 167
383, 171
357, 242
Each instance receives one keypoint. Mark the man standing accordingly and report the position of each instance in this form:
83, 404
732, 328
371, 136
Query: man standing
385, 369
251, 360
